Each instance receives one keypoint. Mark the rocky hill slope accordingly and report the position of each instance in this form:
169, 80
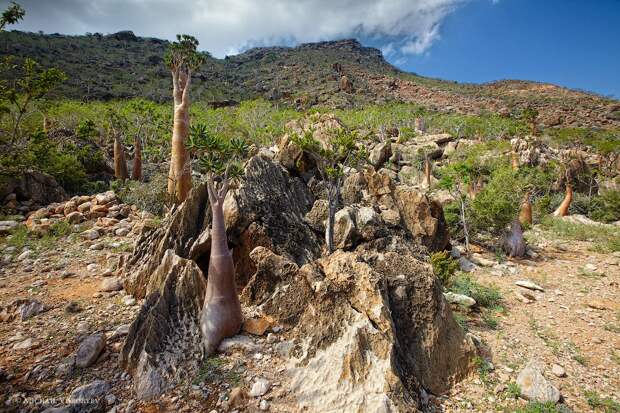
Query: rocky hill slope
333, 74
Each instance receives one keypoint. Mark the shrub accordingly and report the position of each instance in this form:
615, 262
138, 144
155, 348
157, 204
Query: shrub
444, 266
498, 203
489, 297
606, 404
151, 196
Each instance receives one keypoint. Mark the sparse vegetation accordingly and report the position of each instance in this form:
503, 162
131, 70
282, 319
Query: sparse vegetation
444, 266
604, 404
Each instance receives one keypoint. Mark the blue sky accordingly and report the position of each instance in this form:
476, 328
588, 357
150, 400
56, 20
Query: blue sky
565, 42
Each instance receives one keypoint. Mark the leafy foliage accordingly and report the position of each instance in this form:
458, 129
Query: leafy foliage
444, 266
216, 154
11, 15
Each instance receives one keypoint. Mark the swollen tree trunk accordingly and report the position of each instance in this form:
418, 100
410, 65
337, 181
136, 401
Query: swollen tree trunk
221, 314
120, 164
427, 172
464, 223
514, 243
562, 210
136, 170
46, 124
525, 214
515, 161
332, 196
180, 176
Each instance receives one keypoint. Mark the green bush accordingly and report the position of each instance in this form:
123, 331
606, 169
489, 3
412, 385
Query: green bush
489, 297
151, 196
498, 203
444, 266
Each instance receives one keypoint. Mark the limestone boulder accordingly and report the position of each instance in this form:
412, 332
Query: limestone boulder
382, 325
423, 217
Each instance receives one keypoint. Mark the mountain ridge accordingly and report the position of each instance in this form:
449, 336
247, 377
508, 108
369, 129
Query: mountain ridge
122, 65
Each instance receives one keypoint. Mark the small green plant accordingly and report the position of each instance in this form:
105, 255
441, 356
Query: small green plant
513, 390
484, 369
461, 320
488, 297
537, 407
606, 404
444, 266
340, 151
490, 319
215, 369
615, 357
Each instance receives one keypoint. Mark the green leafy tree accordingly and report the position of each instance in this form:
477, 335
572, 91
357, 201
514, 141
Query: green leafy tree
332, 157
31, 84
530, 115
11, 15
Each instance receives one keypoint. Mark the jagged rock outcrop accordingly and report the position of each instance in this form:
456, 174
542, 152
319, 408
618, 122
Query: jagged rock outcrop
267, 209
163, 345
375, 313
378, 320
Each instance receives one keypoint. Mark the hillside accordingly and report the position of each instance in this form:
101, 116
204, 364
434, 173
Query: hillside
122, 65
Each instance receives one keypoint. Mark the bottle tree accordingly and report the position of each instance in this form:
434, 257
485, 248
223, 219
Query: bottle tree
338, 152
182, 58
219, 160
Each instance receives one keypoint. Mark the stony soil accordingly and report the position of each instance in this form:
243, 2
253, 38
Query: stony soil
574, 323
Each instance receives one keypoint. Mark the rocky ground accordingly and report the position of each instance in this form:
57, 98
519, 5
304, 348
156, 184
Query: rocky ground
571, 326
64, 320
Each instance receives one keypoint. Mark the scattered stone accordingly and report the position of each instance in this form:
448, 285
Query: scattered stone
110, 399
558, 370
264, 405
480, 260
459, 299
89, 392
257, 326
24, 345
534, 386
25, 254
82, 327
111, 284
120, 331
260, 387
90, 234
271, 338
73, 307
466, 265
31, 309
75, 217
239, 342
525, 297
529, 285
121, 232
92, 267
96, 247
128, 300
89, 350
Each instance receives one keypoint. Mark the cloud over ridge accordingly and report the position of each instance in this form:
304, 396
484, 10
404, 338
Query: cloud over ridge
228, 26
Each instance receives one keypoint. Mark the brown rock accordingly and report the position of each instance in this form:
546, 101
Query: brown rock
257, 326
423, 217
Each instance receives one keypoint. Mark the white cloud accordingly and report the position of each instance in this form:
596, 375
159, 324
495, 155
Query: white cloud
225, 26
